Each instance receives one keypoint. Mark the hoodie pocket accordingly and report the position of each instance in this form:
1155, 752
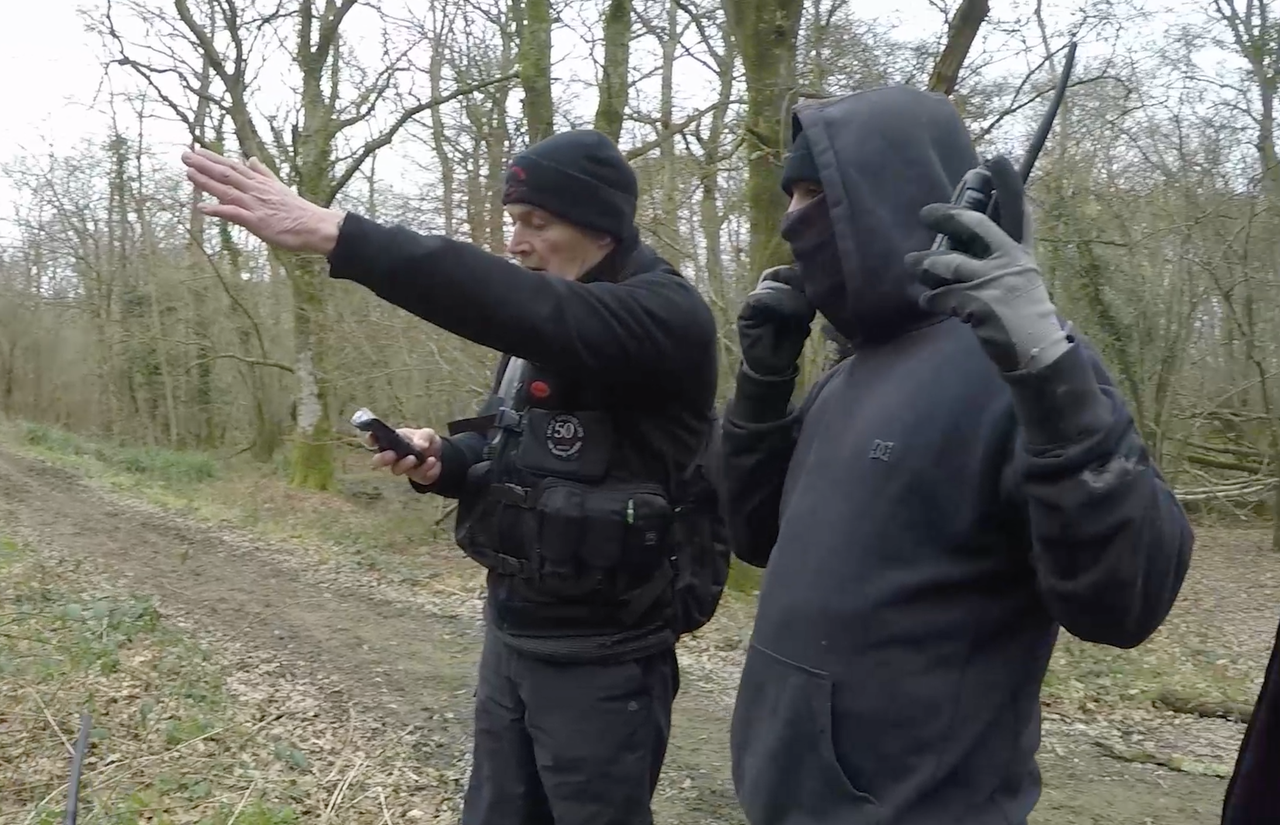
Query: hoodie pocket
784, 760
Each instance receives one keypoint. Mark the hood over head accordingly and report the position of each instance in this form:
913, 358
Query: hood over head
881, 155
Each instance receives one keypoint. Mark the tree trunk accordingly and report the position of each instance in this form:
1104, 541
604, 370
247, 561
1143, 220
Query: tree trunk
667, 227
146, 255
613, 76
535, 69
964, 29
765, 32
711, 217
438, 135
312, 465
497, 145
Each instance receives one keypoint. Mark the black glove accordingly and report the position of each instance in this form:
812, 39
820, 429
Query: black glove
774, 323
990, 278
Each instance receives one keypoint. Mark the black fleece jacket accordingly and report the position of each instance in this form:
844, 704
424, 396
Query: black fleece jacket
632, 335
926, 523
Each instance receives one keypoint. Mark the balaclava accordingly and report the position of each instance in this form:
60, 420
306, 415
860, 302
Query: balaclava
808, 230
799, 164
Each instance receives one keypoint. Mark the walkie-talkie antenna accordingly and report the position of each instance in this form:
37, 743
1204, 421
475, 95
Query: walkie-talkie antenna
976, 189
1046, 122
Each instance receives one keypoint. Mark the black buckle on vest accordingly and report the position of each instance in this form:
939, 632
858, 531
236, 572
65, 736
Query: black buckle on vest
509, 493
511, 566
508, 419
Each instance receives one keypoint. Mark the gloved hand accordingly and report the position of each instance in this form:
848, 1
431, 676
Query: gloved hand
774, 322
990, 281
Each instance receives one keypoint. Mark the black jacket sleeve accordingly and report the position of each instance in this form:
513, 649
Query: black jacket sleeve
758, 433
1111, 544
638, 331
459, 453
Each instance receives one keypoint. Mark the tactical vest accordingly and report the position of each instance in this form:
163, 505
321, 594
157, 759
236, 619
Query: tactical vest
567, 500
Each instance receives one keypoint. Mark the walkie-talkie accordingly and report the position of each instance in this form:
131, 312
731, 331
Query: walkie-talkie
384, 436
976, 189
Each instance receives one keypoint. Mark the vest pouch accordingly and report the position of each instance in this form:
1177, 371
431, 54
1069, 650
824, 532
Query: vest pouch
492, 528
574, 445
560, 526
608, 533
650, 528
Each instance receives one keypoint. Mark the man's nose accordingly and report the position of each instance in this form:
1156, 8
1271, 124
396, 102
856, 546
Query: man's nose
517, 246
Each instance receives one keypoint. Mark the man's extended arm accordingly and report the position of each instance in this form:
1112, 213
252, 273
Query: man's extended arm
642, 329
1111, 544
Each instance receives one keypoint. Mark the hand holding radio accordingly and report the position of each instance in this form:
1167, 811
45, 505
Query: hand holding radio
989, 280
982, 267
407, 451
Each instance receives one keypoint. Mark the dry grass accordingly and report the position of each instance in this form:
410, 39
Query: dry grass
1101, 704
174, 740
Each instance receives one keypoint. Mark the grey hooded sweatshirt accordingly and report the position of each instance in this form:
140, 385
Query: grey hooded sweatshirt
926, 523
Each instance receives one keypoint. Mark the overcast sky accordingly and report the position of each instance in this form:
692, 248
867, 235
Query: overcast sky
50, 74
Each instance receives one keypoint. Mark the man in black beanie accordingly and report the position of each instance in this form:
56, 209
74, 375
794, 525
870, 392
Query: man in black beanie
580, 484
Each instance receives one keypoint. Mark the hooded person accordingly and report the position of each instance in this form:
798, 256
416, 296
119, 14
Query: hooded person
967, 481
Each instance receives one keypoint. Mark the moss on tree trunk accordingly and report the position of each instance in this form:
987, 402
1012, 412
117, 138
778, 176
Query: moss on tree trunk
765, 32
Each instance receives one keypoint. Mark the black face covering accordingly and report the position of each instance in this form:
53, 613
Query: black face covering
809, 233
880, 155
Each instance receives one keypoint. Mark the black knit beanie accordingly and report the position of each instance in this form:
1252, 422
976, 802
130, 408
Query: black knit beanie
580, 177
799, 164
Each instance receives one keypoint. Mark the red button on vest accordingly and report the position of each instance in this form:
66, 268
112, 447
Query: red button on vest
539, 389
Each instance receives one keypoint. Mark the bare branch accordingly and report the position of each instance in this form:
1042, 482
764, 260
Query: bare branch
384, 139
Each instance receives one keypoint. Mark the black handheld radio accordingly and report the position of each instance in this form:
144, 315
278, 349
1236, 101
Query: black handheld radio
976, 189
384, 436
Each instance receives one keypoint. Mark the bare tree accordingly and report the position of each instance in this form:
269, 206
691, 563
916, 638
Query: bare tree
305, 146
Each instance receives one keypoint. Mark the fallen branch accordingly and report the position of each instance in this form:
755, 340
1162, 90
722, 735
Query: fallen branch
1228, 492
1252, 453
448, 511
1209, 709
1223, 464
1226, 487
1172, 761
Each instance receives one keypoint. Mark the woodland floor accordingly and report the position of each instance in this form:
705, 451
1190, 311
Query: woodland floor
251, 656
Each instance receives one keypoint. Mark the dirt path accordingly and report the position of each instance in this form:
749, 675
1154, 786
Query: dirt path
409, 654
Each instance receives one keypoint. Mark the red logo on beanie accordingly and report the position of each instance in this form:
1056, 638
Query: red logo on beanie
514, 187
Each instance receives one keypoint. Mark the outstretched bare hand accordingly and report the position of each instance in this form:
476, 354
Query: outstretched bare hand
250, 195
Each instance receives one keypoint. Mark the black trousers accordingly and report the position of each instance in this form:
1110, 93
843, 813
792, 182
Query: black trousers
568, 744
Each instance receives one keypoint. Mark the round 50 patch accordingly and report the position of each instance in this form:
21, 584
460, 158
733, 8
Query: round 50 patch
565, 435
